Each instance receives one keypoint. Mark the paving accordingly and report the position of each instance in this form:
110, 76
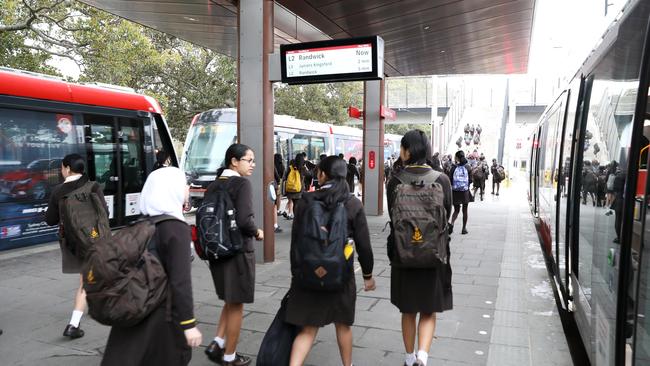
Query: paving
504, 312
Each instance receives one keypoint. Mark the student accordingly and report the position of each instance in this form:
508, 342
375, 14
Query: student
278, 173
496, 176
155, 340
162, 160
312, 309
73, 169
234, 278
353, 172
424, 291
297, 165
461, 179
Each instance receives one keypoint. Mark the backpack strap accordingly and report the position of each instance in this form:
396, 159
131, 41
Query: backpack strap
409, 178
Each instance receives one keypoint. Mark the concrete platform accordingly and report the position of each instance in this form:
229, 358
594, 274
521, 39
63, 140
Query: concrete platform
504, 312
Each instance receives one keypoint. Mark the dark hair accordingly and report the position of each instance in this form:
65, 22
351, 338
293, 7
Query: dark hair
75, 162
353, 160
161, 158
460, 155
336, 171
299, 161
341, 156
277, 159
235, 151
418, 146
322, 156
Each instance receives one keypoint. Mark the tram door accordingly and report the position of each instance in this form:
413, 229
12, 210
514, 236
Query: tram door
116, 160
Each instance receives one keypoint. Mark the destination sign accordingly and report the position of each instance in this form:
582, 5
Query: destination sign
335, 60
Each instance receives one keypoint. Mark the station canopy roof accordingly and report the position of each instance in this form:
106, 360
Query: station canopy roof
422, 37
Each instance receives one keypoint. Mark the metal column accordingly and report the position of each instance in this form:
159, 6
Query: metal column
373, 148
255, 110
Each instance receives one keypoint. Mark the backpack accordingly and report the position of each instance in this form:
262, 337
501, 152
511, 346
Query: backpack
502, 173
478, 173
294, 184
419, 222
461, 179
123, 276
275, 349
84, 219
322, 254
217, 231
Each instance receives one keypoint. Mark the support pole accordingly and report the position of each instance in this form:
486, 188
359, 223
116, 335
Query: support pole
255, 110
373, 148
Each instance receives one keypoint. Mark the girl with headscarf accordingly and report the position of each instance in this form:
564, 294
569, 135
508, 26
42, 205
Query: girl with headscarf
155, 340
311, 309
234, 277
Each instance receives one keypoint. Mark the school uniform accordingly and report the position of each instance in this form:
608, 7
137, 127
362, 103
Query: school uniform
420, 290
159, 339
318, 308
234, 278
461, 197
69, 262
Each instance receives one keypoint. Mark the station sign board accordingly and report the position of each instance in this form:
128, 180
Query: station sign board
350, 59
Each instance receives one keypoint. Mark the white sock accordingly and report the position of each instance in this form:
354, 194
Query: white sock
409, 359
229, 358
76, 318
220, 342
275, 226
423, 356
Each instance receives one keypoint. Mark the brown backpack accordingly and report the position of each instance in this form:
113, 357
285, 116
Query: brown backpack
83, 219
123, 276
419, 222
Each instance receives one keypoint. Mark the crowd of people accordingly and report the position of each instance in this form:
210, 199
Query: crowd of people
323, 206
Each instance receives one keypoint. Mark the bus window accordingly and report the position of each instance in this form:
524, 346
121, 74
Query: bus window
316, 148
300, 144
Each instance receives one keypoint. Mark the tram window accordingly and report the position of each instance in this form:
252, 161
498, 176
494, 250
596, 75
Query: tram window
300, 144
317, 147
32, 145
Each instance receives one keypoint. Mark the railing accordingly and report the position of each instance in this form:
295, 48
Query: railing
449, 125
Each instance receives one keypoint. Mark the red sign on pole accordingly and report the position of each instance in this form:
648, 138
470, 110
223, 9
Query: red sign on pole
354, 112
371, 160
387, 113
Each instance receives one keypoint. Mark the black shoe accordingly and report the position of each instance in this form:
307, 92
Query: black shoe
214, 352
73, 332
450, 228
492, 193
616, 240
497, 193
240, 360
278, 230
464, 232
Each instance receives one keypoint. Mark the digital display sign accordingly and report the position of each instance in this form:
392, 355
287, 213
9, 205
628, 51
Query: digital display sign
349, 59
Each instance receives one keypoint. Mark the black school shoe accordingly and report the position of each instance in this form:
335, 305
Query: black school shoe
240, 360
214, 352
73, 332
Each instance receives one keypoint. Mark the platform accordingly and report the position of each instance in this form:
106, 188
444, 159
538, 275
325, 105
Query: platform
504, 311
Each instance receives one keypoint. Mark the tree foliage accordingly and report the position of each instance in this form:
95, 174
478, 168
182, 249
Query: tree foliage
319, 102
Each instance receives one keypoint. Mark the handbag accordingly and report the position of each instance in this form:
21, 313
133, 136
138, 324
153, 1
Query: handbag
275, 349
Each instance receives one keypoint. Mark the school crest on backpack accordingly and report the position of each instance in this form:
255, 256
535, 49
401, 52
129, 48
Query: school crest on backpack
84, 219
419, 222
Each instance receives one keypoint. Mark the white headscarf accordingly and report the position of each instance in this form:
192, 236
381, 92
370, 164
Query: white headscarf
164, 193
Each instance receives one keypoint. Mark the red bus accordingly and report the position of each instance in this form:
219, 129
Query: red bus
44, 118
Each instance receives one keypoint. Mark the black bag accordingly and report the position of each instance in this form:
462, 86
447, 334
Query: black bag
218, 234
123, 276
322, 261
84, 219
275, 349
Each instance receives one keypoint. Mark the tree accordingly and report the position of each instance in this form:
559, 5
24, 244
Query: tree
319, 102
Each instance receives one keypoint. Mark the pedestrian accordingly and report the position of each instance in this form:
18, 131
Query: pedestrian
461, 179
480, 174
353, 172
423, 291
497, 177
163, 337
234, 277
435, 162
73, 168
278, 173
294, 186
309, 308
341, 156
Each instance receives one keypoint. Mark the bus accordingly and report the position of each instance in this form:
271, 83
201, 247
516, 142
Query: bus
211, 133
42, 119
597, 131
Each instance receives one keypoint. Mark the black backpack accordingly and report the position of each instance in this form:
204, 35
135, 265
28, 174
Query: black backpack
123, 276
275, 349
321, 259
84, 219
217, 231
